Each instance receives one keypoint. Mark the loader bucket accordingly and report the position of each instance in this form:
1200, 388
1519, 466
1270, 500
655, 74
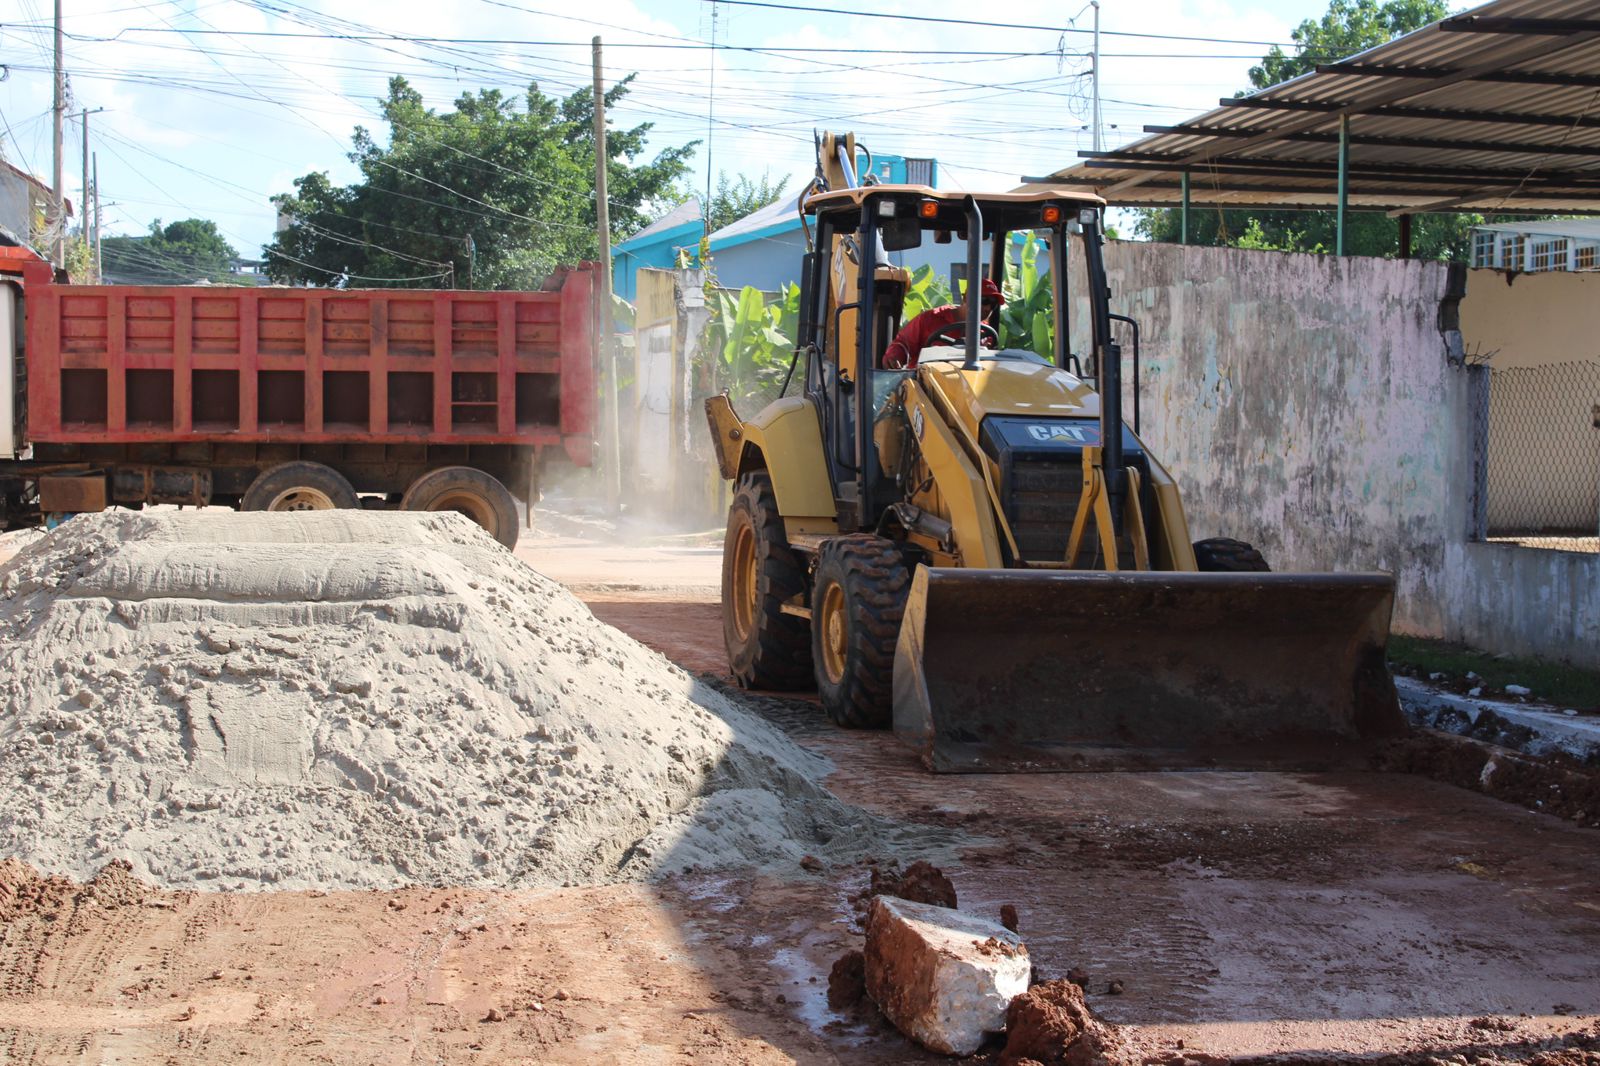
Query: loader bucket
1031, 670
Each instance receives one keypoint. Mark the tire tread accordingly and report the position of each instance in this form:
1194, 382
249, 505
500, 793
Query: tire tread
1226, 555
877, 579
781, 659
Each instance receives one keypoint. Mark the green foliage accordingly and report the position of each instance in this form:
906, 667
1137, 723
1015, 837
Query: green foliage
732, 200
1559, 683
1028, 318
754, 339
79, 256
1350, 26
491, 195
1366, 232
180, 253
927, 290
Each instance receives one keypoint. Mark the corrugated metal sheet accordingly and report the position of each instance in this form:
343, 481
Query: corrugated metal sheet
1448, 126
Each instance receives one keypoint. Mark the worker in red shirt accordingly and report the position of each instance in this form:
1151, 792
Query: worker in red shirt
947, 322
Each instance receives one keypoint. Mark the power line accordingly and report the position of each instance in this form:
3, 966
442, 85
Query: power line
90, 39
1058, 29
987, 25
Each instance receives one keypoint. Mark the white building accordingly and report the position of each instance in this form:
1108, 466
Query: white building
1553, 244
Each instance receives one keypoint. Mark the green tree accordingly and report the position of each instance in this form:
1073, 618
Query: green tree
179, 253
487, 196
732, 200
1350, 26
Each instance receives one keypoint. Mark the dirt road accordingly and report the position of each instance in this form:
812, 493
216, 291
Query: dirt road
1245, 914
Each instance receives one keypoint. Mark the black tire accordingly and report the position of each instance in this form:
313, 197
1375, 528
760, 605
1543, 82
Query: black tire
858, 596
1227, 556
469, 491
767, 649
299, 486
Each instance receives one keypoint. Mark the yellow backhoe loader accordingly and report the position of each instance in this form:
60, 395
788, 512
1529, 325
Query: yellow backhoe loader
979, 550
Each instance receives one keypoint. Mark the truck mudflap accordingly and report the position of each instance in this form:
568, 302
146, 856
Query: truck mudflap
1038, 670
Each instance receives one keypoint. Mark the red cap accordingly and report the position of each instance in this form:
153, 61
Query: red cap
991, 291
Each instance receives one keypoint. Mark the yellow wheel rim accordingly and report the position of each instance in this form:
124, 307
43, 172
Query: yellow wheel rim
301, 499
833, 633
473, 506
744, 590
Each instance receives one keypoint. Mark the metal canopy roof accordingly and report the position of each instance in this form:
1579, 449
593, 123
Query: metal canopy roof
1496, 109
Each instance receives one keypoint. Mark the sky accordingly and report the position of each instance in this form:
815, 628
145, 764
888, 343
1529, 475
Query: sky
209, 107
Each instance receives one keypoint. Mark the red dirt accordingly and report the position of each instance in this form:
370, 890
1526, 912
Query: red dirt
1051, 1024
1267, 918
1008, 917
847, 981
1552, 785
922, 882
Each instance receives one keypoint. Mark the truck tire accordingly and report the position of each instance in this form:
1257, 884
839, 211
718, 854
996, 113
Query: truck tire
858, 595
1227, 556
469, 491
299, 486
767, 649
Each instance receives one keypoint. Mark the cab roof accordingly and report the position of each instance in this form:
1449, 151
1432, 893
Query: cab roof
854, 198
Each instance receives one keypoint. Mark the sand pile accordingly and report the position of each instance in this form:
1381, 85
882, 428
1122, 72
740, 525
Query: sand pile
363, 700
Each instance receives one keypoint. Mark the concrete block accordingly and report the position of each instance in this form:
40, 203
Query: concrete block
944, 978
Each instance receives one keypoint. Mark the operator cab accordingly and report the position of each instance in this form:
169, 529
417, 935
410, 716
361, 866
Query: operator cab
920, 247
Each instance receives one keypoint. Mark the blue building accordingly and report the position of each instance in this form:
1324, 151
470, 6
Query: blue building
763, 249
657, 245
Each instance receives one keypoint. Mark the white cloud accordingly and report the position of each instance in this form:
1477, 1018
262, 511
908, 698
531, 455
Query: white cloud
213, 123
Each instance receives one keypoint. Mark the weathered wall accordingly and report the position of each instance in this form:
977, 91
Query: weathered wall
1526, 601
1307, 404
1518, 320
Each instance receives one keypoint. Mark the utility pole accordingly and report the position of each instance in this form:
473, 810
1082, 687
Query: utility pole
1096, 119
59, 111
612, 445
83, 201
99, 265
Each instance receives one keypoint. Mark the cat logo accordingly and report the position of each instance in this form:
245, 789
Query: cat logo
1048, 434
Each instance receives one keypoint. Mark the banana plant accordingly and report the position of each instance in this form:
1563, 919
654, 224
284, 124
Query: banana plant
927, 289
1027, 320
753, 338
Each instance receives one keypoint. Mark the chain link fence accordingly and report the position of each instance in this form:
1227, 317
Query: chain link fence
1544, 456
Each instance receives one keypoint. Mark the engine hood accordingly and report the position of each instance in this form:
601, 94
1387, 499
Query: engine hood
1003, 386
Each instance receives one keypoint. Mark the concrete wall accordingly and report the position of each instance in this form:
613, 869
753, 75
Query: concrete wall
1308, 404
1518, 320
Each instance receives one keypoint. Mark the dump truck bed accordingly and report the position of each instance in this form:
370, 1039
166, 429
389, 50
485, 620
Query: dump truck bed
117, 364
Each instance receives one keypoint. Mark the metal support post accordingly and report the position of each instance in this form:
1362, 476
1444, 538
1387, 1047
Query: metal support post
1096, 71
1344, 183
1405, 236
1183, 237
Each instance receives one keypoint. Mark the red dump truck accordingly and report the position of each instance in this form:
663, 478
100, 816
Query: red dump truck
276, 399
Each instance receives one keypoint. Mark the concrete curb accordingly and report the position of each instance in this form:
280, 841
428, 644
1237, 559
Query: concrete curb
1520, 727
